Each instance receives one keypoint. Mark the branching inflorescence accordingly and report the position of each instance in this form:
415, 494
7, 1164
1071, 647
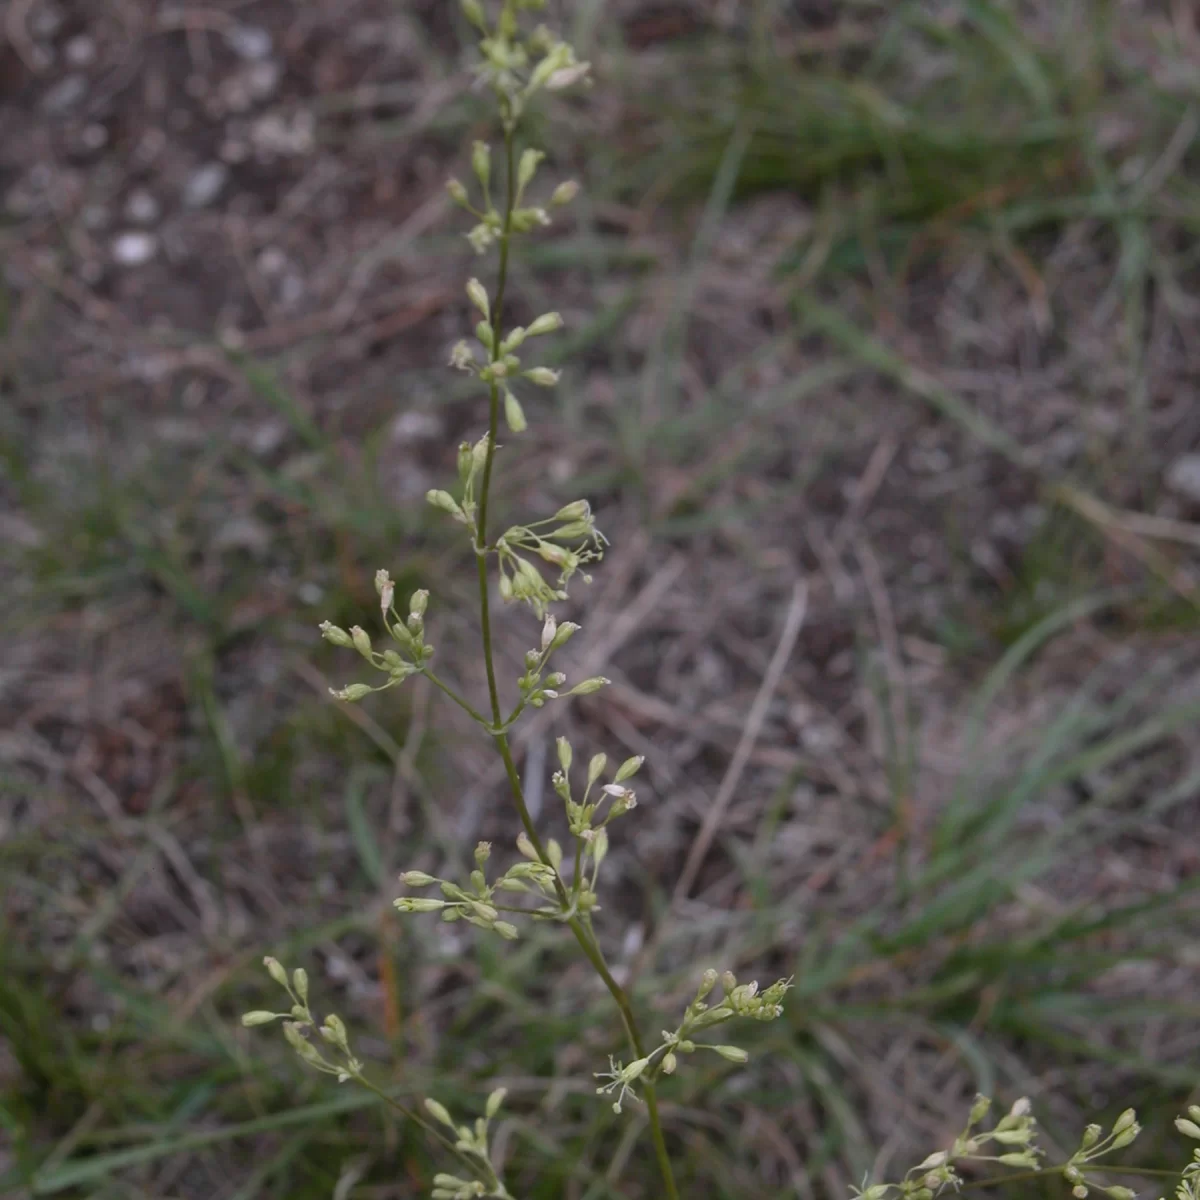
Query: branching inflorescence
545, 883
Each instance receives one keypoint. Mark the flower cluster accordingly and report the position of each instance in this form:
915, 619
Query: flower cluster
1012, 1143
738, 1000
471, 1142
413, 654
581, 813
499, 364
568, 540
300, 1027
476, 904
1188, 1188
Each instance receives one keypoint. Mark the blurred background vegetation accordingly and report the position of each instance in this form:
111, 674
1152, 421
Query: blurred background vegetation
895, 299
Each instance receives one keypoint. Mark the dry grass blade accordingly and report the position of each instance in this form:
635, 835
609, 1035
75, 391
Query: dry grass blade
792, 624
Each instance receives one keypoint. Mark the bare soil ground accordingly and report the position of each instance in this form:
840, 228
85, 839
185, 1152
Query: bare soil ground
947, 414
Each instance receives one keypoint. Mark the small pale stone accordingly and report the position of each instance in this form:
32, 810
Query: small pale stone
141, 207
81, 51
204, 184
65, 94
249, 42
1183, 476
134, 249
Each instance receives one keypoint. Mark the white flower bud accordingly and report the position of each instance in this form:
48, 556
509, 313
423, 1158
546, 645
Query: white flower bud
458, 193
439, 1113
300, 983
549, 322
258, 1017
525, 846
527, 168
542, 376
276, 971
629, 768
564, 193
549, 629
508, 932
733, 1053
567, 77
589, 685
416, 879
362, 643
442, 500
478, 296
1127, 1118
554, 853
514, 414
331, 633
419, 602
417, 904
494, 1101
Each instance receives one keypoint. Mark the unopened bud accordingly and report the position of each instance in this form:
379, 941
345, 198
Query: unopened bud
629, 768
258, 1017
526, 848
564, 193
542, 376
589, 685
527, 168
514, 414
439, 1113
1127, 1118
331, 633
473, 11
478, 296
419, 602
416, 879
362, 643
596, 767
494, 1101
733, 1053
567, 77
549, 322
275, 970
458, 193
442, 500
481, 163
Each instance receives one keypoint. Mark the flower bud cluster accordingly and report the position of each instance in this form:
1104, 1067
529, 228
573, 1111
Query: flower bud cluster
301, 1029
582, 813
517, 66
551, 541
412, 655
471, 1142
1013, 1144
739, 1000
476, 904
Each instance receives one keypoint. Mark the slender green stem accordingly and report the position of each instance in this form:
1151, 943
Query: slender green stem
476, 1164
579, 927
1046, 1172
449, 691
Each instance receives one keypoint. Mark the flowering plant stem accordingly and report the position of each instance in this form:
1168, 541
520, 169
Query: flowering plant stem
579, 926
